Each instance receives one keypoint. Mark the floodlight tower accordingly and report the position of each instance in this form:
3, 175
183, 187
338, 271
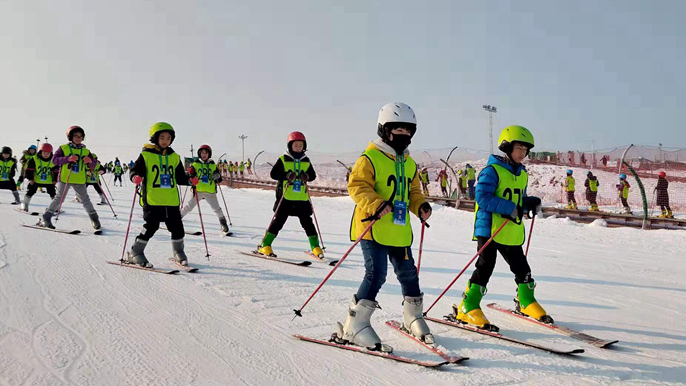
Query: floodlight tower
491, 110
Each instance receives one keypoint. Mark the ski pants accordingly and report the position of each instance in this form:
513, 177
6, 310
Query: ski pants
33, 188
472, 190
300, 209
154, 215
8, 185
117, 177
444, 190
625, 203
513, 255
376, 258
592, 197
97, 187
570, 197
211, 199
81, 193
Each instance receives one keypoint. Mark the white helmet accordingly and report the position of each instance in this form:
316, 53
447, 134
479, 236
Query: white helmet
396, 113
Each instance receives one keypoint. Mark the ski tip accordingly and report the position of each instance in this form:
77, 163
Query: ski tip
333, 263
577, 351
305, 263
75, 232
605, 344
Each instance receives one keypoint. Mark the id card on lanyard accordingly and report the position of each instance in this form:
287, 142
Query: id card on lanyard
75, 168
297, 184
205, 175
399, 205
165, 178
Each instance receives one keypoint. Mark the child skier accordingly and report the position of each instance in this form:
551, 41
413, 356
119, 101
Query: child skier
663, 195
443, 177
292, 171
471, 180
569, 187
208, 178
424, 179
591, 185
73, 159
118, 171
241, 168
159, 169
93, 179
24, 161
8, 169
249, 166
501, 196
41, 173
623, 189
384, 183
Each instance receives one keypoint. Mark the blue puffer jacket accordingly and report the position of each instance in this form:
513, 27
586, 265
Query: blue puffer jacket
487, 201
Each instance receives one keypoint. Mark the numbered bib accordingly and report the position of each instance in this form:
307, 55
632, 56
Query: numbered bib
205, 179
43, 177
297, 186
165, 181
75, 168
399, 212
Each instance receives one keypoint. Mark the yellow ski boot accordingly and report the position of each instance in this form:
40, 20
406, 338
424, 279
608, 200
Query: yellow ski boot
669, 214
569, 206
266, 250
469, 311
318, 252
574, 206
526, 303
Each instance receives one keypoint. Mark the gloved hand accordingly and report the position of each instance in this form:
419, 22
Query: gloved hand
137, 180
191, 171
216, 176
87, 160
304, 177
73, 158
425, 211
101, 172
516, 215
32, 182
533, 206
194, 180
290, 176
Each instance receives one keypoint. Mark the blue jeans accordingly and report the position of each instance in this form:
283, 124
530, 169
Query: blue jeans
376, 268
471, 188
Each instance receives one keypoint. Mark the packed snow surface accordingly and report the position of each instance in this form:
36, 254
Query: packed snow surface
67, 318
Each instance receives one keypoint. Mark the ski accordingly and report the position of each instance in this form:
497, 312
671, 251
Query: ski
198, 233
468, 327
324, 260
29, 213
74, 232
165, 271
374, 353
431, 347
186, 268
261, 256
592, 340
228, 234
97, 232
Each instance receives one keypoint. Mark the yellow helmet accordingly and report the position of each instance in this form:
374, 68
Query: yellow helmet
513, 134
158, 128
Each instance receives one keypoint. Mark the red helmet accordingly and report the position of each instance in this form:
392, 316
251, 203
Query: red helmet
46, 147
663, 174
205, 147
297, 136
71, 130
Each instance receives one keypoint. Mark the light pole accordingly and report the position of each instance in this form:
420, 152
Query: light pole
243, 137
46, 139
491, 110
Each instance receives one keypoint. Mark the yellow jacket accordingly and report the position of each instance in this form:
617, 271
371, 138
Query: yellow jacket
361, 190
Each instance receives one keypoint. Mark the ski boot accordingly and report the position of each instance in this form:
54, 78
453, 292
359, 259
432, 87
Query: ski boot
179, 255
46, 221
358, 329
95, 221
103, 200
526, 304
136, 255
265, 250
669, 214
318, 252
314, 246
224, 224
17, 200
574, 206
569, 206
413, 320
25, 204
469, 311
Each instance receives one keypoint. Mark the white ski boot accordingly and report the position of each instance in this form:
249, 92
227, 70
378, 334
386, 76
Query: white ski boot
179, 255
358, 329
413, 319
25, 204
95, 221
136, 255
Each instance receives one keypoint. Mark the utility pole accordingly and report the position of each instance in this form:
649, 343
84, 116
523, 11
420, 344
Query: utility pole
37, 144
491, 110
46, 139
243, 137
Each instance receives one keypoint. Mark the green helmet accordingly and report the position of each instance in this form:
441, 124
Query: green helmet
158, 128
512, 134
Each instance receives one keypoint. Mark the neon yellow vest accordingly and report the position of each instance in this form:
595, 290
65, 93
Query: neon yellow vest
625, 190
593, 185
289, 194
43, 167
205, 170
444, 180
117, 170
384, 231
156, 165
464, 181
570, 184
424, 177
94, 178
471, 174
242, 167
511, 188
6, 169
74, 177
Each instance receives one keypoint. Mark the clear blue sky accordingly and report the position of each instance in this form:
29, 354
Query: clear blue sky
571, 71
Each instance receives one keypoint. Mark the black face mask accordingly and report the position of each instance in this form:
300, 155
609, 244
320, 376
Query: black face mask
399, 142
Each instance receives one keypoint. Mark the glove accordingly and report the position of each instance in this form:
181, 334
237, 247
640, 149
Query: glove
32, 182
516, 214
425, 211
101, 172
304, 177
216, 176
137, 180
87, 160
290, 176
533, 206
191, 171
194, 180
73, 158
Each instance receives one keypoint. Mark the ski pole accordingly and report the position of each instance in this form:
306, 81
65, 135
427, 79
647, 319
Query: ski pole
298, 312
64, 194
277, 209
108, 200
197, 200
225, 207
108, 190
421, 244
467, 266
317, 223
128, 227
184, 196
531, 231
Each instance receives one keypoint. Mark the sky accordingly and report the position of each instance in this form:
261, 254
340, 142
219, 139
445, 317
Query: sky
579, 74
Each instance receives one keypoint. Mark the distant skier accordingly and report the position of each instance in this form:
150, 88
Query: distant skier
241, 168
424, 179
443, 177
41, 173
27, 155
591, 185
663, 195
501, 196
463, 183
569, 188
623, 189
471, 180
118, 171
93, 179
8, 169
248, 166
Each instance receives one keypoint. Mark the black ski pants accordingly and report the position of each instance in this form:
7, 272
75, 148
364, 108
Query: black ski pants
8, 185
513, 255
33, 188
97, 188
300, 209
154, 215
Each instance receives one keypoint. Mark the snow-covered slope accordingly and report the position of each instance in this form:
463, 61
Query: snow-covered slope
67, 318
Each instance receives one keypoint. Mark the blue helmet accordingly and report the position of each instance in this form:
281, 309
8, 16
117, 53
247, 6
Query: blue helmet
569, 172
33, 147
588, 172
622, 176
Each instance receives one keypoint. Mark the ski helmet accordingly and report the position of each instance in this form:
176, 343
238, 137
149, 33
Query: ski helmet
158, 128
570, 172
395, 115
622, 176
6, 150
512, 134
297, 136
33, 147
663, 174
205, 147
72, 130
46, 147
588, 173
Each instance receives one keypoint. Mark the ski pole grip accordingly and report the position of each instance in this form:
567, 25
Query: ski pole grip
375, 216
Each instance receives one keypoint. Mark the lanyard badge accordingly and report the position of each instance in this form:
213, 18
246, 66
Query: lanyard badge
399, 206
297, 184
165, 179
